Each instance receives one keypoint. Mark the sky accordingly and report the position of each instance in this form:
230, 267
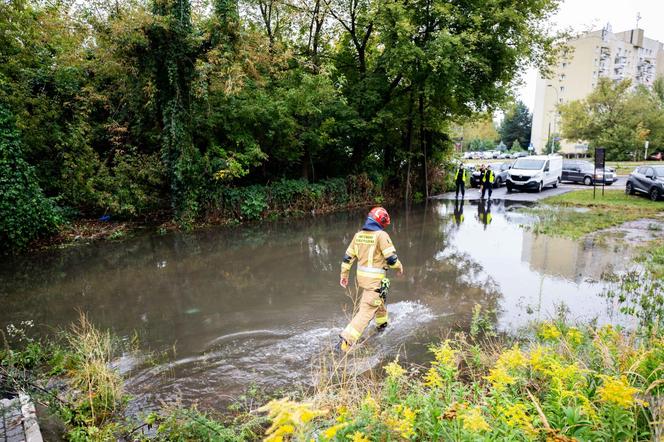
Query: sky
581, 15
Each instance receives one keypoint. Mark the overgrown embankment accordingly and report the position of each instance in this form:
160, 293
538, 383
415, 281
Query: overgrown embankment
229, 205
557, 383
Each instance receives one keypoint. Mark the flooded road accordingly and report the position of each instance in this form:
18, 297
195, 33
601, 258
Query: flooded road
219, 310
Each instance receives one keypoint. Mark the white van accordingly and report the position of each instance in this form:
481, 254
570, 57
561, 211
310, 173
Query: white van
535, 172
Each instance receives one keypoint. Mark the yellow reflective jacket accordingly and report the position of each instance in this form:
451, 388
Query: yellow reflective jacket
488, 176
371, 249
456, 175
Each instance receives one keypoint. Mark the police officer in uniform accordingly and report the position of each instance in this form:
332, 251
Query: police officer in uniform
460, 181
486, 180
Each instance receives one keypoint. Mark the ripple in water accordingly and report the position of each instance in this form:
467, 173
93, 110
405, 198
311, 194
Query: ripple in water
271, 359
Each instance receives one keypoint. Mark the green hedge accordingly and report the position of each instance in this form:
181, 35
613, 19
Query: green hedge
288, 197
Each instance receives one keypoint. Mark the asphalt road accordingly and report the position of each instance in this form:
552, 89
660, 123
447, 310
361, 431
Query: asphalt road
501, 193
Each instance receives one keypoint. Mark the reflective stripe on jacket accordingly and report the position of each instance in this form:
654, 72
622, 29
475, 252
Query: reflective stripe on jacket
371, 250
456, 176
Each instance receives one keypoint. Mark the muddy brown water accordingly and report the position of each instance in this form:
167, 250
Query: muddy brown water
219, 310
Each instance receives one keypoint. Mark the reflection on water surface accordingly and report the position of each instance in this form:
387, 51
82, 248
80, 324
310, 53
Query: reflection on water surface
257, 304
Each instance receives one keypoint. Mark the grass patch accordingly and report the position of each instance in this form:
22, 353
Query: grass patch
627, 167
652, 257
610, 210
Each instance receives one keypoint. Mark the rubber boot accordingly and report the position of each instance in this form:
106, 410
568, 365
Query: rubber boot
342, 346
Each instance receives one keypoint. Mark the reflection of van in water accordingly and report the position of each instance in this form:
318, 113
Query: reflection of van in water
535, 172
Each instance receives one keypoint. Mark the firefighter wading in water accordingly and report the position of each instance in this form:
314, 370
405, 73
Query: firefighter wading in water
374, 252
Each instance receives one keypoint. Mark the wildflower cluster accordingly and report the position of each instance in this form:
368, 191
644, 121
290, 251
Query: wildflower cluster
401, 420
567, 383
394, 370
617, 391
289, 420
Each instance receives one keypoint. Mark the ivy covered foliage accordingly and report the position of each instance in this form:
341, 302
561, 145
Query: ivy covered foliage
25, 213
136, 107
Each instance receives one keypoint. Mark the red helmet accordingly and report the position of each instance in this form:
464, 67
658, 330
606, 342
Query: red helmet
381, 216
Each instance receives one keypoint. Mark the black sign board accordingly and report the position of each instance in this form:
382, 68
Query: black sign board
599, 157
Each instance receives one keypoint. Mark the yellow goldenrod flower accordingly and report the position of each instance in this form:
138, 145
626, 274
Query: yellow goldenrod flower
287, 417
342, 412
512, 359
499, 378
402, 421
574, 336
445, 355
516, 417
549, 331
432, 378
371, 403
473, 420
334, 429
359, 437
607, 332
617, 391
394, 370
538, 358
570, 375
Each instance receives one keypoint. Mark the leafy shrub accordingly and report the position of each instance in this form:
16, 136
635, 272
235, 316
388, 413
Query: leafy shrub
25, 213
254, 202
136, 185
292, 197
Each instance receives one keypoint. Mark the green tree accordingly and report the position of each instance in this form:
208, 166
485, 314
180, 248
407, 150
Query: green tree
516, 125
25, 213
553, 140
617, 117
136, 108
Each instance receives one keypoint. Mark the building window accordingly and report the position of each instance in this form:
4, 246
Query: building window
562, 88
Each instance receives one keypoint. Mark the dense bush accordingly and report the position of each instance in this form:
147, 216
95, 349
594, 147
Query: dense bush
288, 197
25, 213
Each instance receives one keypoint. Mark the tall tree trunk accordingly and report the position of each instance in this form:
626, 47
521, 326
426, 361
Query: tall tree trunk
423, 145
409, 144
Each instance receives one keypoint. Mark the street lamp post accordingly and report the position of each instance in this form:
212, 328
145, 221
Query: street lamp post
555, 112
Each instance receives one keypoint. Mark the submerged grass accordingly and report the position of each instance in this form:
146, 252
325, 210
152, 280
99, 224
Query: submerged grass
558, 217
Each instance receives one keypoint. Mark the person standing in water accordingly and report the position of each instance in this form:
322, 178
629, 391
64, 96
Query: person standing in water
460, 181
375, 253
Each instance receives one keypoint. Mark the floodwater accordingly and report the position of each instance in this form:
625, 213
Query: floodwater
220, 310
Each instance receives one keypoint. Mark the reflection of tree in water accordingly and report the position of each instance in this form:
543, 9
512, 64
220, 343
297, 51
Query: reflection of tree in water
122, 284
445, 279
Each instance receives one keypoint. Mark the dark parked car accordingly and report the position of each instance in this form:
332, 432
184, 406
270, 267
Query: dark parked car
499, 170
648, 180
577, 171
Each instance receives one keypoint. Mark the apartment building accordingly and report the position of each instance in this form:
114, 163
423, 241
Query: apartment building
591, 56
